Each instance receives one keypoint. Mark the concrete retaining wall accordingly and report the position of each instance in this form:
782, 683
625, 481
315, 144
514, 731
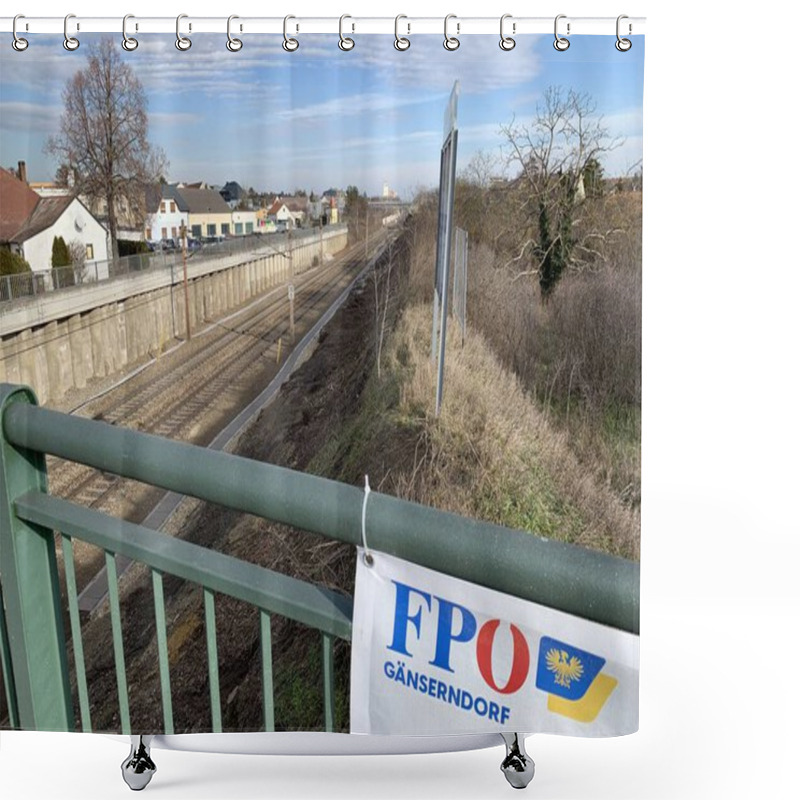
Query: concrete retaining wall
67, 339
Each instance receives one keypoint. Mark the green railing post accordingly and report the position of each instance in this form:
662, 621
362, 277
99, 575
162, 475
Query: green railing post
31, 595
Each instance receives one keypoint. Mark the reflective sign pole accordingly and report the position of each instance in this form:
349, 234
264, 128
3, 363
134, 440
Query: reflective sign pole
447, 180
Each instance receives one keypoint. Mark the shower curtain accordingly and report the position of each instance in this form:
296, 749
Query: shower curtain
397, 285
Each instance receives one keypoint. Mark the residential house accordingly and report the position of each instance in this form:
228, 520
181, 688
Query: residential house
244, 222
291, 211
209, 214
278, 213
235, 196
167, 213
29, 224
263, 222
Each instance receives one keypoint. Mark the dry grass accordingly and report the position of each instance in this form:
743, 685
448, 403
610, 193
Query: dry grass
492, 454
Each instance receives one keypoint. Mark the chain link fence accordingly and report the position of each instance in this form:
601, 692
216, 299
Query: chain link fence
32, 284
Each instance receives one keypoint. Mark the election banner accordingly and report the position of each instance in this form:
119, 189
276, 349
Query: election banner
435, 655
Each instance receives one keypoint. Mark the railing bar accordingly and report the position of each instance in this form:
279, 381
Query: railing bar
5, 663
119, 652
570, 578
327, 679
266, 671
213, 664
163, 651
77, 637
314, 606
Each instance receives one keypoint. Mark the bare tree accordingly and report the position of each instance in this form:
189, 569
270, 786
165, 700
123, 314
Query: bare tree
103, 137
552, 154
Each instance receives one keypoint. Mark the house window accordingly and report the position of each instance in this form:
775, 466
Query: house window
226, 229
174, 233
197, 231
212, 229
89, 252
248, 228
163, 206
239, 229
148, 234
163, 233
172, 206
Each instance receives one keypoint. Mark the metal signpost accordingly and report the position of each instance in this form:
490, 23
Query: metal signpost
291, 311
447, 180
460, 281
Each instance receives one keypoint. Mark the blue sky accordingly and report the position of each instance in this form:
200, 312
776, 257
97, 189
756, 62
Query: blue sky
321, 117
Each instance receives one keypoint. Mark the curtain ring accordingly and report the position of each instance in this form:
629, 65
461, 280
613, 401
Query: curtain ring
345, 42
183, 43
128, 42
561, 44
19, 44
233, 44
400, 42
450, 42
289, 44
506, 42
623, 45
70, 42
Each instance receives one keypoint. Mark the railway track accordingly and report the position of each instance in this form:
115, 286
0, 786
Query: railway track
179, 396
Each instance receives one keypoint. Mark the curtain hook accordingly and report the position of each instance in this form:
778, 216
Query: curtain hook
128, 42
506, 42
400, 42
233, 44
345, 42
70, 42
19, 44
181, 42
450, 42
368, 559
289, 44
623, 45
561, 44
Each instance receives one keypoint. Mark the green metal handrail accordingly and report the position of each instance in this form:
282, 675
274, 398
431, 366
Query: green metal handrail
589, 584
592, 585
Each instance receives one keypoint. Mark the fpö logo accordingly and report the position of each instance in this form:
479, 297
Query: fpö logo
572, 678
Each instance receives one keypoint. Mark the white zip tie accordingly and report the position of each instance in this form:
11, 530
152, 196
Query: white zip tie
368, 559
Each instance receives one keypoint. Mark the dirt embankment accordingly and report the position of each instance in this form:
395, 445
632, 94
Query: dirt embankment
318, 401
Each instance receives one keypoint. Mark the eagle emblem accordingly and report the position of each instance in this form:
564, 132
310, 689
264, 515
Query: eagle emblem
566, 668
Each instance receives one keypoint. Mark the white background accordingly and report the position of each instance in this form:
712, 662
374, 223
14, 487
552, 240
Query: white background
720, 597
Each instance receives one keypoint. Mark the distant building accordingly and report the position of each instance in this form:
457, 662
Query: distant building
167, 213
280, 215
235, 196
209, 214
245, 222
29, 224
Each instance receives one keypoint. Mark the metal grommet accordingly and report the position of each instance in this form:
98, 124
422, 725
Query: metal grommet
400, 42
183, 43
561, 44
70, 42
289, 44
19, 44
128, 42
233, 44
345, 42
450, 42
623, 45
506, 42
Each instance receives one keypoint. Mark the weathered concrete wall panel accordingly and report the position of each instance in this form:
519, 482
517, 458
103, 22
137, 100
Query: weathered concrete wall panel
136, 317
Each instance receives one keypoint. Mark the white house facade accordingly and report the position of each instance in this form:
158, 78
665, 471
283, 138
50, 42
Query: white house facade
68, 218
166, 214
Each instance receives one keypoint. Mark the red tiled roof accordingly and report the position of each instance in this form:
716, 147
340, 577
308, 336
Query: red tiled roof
17, 202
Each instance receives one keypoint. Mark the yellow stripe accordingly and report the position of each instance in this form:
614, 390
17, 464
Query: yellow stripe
588, 707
